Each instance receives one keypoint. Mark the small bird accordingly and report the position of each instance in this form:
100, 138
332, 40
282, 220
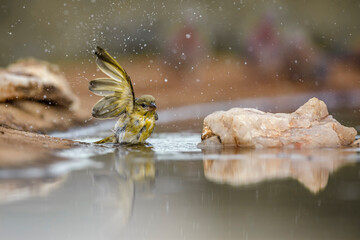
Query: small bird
137, 116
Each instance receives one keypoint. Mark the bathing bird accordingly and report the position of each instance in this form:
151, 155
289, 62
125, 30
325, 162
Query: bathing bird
137, 116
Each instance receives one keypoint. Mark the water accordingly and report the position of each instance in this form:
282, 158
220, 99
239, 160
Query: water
170, 189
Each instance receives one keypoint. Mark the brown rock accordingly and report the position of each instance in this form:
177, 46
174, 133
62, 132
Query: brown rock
35, 96
35, 80
310, 126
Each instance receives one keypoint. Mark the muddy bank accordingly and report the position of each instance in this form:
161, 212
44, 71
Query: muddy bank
21, 149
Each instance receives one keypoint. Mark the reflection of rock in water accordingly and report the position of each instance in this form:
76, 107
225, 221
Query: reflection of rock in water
21, 189
247, 166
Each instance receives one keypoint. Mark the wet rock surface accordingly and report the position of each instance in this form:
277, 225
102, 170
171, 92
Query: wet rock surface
310, 126
35, 96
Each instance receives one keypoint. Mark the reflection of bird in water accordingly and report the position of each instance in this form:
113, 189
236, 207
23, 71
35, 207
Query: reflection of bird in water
249, 166
129, 169
137, 116
138, 163
113, 193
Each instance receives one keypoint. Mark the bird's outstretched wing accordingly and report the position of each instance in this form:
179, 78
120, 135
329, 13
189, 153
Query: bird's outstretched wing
118, 93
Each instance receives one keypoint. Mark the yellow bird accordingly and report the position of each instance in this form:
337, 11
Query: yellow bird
137, 116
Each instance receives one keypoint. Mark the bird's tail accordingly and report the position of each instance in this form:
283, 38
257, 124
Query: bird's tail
109, 139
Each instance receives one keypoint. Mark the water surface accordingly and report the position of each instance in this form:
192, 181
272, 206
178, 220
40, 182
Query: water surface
170, 189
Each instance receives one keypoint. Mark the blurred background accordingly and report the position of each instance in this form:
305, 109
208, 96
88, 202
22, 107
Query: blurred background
69, 30
190, 52
194, 57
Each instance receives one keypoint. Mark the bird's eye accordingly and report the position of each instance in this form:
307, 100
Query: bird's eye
143, 105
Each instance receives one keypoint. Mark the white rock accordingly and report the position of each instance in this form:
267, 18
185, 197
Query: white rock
310, 126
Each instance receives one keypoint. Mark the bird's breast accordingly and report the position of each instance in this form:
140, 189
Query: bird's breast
134, 129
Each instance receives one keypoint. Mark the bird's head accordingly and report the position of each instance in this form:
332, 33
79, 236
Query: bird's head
144, 104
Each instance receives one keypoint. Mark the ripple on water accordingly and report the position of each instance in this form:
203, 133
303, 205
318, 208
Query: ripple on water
175, 142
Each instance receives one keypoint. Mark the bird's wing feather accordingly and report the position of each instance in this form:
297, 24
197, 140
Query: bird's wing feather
107, 86
109, 107
118, 91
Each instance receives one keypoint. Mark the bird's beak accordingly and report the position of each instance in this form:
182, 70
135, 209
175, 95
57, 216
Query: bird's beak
152, 107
